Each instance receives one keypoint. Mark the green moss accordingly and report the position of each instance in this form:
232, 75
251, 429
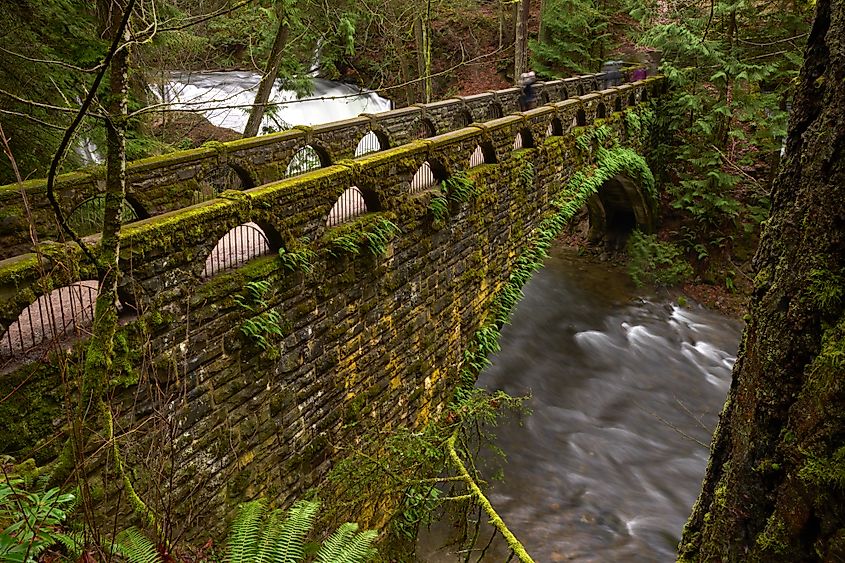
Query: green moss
825, 472
827, 289
773, 538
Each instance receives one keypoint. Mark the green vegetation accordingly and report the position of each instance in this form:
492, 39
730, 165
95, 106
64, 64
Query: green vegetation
262, 535
266, 323
655, 262
31, 521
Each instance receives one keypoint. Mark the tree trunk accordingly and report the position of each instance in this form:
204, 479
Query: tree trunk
271, 71
775, 485
520, 39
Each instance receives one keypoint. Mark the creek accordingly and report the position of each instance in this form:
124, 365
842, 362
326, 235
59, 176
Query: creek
226, 97
625, 389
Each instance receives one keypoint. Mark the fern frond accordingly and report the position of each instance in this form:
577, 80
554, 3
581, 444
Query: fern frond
347, 545
73, 544
133, 545
289, 545
242, 542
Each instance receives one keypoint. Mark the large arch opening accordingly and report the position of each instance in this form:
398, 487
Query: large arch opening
425, 128
87, 217
523, 140
60, 315
352, 203
428, 176
462, 119
616, 210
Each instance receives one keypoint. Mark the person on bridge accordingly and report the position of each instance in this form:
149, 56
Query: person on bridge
528, 98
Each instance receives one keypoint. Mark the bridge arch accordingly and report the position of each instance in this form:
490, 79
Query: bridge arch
310, 157
619, 207
240, 245
555, 128
53, 317
87, 217
494, 110
462, 119
484, 153
353, 202
373, 141
228, 176
429, 175
601, 111
425, 128
523, 140
580, 118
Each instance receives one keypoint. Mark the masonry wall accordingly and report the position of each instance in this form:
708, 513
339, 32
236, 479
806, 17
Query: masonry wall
365, 338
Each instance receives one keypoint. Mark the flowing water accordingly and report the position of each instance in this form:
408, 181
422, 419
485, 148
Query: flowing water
625, 391
226, 97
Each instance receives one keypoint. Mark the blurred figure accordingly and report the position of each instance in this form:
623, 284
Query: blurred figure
528, 98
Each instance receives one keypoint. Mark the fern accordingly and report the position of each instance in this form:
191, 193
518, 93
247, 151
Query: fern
242, 543
134, 546
459, 187
439, 208
347, 545
288, 547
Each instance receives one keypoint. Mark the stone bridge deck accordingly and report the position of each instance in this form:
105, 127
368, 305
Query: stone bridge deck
365, 318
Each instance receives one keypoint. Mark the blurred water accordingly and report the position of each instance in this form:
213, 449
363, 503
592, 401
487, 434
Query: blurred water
225, 99
625, 391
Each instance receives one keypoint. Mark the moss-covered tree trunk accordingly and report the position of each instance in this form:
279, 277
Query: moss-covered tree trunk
775, 485
271, 71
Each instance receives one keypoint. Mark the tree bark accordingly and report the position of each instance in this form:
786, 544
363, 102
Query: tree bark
775, 485
271, 71
520, 64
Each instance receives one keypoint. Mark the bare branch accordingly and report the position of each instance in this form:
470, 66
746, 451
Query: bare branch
77, 121
50, 61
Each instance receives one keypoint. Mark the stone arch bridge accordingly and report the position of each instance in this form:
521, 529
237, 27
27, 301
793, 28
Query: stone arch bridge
359, 283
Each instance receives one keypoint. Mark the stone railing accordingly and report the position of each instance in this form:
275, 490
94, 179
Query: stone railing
165, 183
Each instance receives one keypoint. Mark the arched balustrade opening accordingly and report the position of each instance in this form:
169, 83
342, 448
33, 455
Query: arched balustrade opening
523, 140
306, 159
462, 119
617, 104
425, 129
632, 100
644, 95
494, 110
87, 217
428, 176
63, 313
235, 248
349, 205
555, 128
580, 118
371, 142
601, 111
483, 154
